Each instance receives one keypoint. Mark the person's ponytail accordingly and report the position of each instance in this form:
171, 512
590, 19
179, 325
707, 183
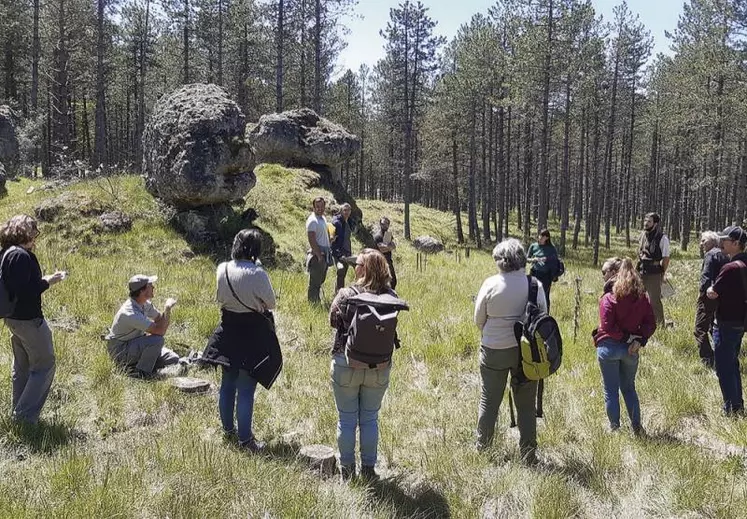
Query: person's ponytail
628, 282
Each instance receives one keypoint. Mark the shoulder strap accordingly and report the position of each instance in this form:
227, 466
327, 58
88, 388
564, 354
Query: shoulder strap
533, 288
2, 261
228, 280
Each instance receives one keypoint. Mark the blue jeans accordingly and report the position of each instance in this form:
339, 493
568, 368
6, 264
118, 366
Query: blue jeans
358, 395
618, 375
727, 341
233, 381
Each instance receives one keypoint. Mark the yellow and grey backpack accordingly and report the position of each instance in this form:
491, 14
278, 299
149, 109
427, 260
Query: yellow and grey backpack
540, 345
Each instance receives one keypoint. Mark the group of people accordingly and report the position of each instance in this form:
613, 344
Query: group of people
627, 319
330, 245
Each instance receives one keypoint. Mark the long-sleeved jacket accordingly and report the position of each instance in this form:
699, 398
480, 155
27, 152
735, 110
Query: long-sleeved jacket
713, 260
619, 320
23, 279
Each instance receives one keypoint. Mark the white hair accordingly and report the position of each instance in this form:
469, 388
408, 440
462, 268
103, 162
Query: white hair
709, 240
509, 255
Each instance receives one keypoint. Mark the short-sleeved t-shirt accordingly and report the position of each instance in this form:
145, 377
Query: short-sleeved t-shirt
132, 320
318, 225
664, 245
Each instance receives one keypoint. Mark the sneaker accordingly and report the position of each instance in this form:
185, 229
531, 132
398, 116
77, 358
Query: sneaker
252, 445
639, 431
614, 427
369, 475
347, 473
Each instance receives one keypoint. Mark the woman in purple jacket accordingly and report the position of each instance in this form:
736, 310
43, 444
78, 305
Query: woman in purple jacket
626, 321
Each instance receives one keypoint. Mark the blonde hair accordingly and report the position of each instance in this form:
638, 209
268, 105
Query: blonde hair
628, 282
18, 230
376, 275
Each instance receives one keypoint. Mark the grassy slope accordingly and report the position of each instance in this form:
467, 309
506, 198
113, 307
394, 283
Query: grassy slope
115, 446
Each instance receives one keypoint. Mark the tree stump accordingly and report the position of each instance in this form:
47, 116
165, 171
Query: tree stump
320, 458
190, 384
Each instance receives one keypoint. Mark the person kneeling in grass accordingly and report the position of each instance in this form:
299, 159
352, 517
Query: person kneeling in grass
244, 344
135, 339
626, 322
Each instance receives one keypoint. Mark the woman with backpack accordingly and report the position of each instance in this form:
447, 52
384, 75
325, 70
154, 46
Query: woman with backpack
359, 386
626, 322
500, 304
545, 262
244, 344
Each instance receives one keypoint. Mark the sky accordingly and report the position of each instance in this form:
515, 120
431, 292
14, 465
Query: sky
365, 45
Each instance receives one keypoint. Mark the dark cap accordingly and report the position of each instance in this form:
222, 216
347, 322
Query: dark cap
734, 233
138, 281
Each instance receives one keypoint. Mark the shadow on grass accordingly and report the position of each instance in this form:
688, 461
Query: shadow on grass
43, 437
420, 500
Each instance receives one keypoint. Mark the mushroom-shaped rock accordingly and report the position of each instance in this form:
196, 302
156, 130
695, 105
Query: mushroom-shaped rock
194, 152
301, 138
9, 149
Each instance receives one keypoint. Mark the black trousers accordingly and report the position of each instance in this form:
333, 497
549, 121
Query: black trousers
393, 284
704, 310
546, 281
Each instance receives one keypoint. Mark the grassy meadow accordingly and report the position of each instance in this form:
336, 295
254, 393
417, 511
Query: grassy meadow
111, 446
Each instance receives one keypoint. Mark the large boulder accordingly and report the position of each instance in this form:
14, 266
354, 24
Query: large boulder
300, 138
194, 153
9, 150
428, 244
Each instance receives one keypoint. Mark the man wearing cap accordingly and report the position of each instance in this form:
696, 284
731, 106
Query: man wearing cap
653, 261
135, 340
730, 290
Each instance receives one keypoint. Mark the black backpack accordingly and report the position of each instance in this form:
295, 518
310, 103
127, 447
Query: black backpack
372, 333
7, 300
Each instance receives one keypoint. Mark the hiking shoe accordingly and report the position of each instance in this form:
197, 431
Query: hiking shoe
369, 475
252, 445
614, 427
347, 473
639, 431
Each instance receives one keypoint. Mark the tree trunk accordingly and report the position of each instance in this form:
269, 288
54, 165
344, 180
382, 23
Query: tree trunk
318, 56
543, 166
565, 176
100, 155
186, 41
457, 205
279, 57
528, 170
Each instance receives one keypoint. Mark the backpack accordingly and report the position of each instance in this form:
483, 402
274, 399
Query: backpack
7, 301
561, 269
372, 333
539, 339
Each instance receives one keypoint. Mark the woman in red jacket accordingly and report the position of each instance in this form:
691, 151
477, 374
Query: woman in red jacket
626, 321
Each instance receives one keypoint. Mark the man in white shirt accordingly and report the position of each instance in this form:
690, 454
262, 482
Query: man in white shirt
318, 258
653, 262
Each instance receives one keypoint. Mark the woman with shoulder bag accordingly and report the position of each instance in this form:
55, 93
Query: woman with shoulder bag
359, 388
500, 304
244, 344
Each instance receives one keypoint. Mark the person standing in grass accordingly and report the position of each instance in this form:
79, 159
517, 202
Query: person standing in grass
244, 344
319, 257
341, 247
545, 262
30, 336
499, 305
653, 261
359, 388
626, 322
385, 242
730, 292
705, 308
136, 338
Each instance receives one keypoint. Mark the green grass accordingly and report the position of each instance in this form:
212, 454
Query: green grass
111, 446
